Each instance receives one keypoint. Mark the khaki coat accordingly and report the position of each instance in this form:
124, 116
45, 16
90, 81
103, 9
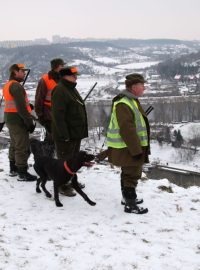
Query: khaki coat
133, 154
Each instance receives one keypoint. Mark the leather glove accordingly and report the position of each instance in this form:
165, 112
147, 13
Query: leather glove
102, 155
32, 128
32, 106
137, 157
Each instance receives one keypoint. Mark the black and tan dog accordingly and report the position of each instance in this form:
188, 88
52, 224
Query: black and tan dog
60, 171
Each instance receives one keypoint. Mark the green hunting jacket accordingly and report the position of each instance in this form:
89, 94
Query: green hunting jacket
69, 118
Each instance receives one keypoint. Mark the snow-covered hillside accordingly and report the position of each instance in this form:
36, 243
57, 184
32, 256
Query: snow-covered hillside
35, 234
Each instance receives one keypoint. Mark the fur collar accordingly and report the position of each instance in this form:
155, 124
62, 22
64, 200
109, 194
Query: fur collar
128, 94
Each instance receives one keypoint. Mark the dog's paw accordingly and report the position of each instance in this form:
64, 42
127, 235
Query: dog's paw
38, 190
48, 195
92, 203
59, 204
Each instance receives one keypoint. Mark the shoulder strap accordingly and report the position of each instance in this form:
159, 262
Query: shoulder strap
1, 100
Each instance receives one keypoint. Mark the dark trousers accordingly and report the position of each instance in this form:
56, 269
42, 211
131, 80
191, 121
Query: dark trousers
67, 150
48, 134
49, 144
130, 176
19, 149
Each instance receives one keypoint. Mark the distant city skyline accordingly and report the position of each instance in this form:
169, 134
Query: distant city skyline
144, 19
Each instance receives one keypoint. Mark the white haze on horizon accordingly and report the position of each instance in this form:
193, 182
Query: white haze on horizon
143, 19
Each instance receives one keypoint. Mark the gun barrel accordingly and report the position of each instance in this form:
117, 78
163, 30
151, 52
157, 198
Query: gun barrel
90, 91
149, 109
26, 77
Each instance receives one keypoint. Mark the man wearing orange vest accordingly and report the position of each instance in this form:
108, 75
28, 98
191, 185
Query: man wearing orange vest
43, 95
43, 107
17, 114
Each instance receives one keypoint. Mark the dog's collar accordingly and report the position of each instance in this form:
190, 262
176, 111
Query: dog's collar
68, 169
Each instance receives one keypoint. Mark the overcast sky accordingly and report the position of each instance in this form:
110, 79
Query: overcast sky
24, 19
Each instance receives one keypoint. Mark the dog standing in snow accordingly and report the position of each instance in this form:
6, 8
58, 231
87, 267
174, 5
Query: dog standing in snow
60, 171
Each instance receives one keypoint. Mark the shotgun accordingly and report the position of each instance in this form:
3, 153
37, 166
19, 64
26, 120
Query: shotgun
28, 71
90, 91
151, 108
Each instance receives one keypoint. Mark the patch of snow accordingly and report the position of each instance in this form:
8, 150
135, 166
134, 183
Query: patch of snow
138, 65
105, 70
35, 234
107, 60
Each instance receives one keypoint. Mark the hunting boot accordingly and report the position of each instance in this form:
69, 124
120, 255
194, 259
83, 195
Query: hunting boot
25, 176
129, 195
67, 190
137, 200
13, 169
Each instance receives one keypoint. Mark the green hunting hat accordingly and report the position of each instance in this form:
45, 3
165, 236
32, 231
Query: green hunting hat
135, 78
57, 62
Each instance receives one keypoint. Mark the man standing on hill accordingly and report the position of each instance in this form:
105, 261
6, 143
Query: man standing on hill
128, 140
43, 96
69, 119
19, 122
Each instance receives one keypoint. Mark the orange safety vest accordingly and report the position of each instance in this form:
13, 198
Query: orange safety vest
10, 105
50, 83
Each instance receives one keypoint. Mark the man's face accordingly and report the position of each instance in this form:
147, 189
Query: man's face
71, 78
20, 74
59, 68
138, 89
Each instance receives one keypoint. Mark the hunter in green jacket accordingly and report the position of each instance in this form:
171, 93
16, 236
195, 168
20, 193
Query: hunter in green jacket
69, 118
128, 140
68, 113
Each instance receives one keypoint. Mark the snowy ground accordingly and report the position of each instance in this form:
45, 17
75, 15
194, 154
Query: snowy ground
35, 234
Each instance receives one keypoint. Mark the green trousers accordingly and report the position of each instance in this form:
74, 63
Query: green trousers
130, 176
19, 149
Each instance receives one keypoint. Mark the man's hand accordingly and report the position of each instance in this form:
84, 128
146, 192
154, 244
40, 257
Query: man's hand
137, 157
32, 106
